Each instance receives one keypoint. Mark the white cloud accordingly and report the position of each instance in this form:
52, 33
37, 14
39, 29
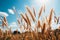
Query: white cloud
3, 14
13, 24
0, 20
11, 11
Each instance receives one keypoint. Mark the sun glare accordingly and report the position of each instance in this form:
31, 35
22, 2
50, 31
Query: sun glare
41, 1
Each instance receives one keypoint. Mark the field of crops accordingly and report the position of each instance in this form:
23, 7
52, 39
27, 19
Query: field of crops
26, 19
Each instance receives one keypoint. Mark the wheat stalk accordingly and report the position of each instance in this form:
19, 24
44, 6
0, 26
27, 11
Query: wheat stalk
34, 12
38, 23
24, 26
4, 22
43, 30
28, 19
40, 11
24, 18
44, 8
50, 16
30, 12
18, 21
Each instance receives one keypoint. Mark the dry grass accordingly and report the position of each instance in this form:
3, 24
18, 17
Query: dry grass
34, 12
38, 23
50, 16
28, 19
41, 10
30, 12
24, 18
45, 34
29, 36
4, 22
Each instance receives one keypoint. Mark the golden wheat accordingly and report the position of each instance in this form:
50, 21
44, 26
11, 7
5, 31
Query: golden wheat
18, 21
50, 16
28, 20
40, 12
43, 30
34, 12
45, 34
38, 23
4, 22
24, 18
30, 12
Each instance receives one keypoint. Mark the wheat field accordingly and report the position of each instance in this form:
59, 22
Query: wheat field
30, 16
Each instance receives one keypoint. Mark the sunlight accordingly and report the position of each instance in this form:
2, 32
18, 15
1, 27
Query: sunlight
41, 1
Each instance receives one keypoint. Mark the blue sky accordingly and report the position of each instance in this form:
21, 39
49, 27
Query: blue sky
20, 5
8, 4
